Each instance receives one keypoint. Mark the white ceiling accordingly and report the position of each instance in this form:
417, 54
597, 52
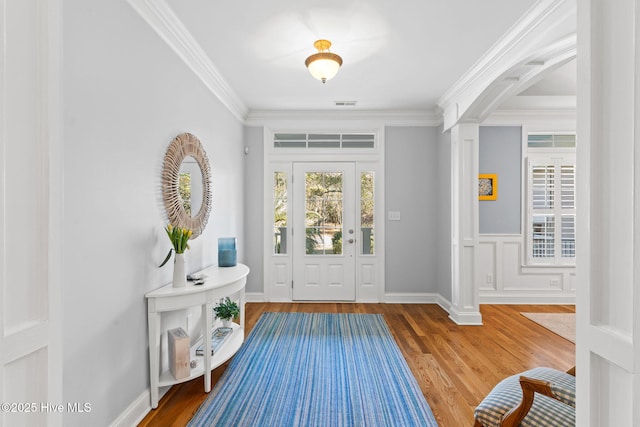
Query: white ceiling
398, 55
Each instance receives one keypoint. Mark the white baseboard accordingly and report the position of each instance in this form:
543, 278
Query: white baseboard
135, 412
444, 303
411, 298
254, 297
138, 409
526, 298
470, 318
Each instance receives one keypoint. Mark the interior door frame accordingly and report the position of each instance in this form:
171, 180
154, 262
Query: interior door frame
278, 271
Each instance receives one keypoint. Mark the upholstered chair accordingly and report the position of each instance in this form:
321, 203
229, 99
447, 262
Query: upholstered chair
535, 398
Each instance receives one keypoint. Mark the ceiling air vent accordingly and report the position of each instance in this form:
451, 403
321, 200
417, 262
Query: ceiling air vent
345, 103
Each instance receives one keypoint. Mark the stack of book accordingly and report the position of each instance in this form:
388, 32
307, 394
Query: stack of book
218, 337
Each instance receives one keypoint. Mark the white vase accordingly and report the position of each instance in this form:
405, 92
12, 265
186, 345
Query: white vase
179, 274
227, 322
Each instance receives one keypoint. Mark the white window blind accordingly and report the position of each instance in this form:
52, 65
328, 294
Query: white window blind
551, 226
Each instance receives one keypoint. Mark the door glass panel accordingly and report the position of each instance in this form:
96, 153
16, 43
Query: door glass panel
323, 220
367, 209
280, 212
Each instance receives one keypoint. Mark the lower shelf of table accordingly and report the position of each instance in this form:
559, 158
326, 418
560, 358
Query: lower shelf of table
224, 353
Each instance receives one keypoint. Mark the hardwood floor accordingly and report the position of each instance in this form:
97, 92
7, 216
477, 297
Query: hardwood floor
456, 366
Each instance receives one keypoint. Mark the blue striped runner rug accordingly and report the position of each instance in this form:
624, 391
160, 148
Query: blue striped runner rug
317, 369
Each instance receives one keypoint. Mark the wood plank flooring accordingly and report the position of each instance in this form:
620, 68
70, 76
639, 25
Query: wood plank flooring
456, 366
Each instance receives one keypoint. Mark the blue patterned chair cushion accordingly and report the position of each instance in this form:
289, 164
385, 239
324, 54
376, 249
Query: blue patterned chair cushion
545, 411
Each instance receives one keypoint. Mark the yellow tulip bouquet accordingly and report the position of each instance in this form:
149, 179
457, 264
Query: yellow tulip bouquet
179, 239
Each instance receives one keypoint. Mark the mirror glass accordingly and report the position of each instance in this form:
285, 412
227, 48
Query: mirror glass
186, 184
190, 186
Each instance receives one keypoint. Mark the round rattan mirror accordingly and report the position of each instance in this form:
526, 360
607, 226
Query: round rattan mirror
177, 178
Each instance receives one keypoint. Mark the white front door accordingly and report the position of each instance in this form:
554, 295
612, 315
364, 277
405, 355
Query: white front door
324, 238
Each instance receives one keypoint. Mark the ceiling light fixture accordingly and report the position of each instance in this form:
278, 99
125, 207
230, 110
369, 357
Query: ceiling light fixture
323, 65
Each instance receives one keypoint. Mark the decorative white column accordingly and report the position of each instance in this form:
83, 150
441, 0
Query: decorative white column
31, 172
465, 309
608, 214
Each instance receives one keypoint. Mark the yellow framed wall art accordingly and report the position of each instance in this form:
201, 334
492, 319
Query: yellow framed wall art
487, 186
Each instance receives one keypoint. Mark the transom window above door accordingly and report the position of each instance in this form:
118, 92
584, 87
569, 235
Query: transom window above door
324, 140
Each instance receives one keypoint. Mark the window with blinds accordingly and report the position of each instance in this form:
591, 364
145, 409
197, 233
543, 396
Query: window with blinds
551, 199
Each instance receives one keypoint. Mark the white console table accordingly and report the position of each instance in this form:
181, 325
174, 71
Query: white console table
219, 283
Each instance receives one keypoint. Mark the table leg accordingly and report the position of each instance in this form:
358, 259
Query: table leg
154, 356
207, 319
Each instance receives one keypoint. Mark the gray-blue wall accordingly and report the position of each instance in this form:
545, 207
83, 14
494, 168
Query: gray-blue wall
501, 153
254, 205
443, 232
411, 179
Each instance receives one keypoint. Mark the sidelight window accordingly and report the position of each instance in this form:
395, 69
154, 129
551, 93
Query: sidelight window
280, 213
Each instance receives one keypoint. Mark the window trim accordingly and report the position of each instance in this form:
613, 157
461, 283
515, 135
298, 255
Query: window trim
557, 156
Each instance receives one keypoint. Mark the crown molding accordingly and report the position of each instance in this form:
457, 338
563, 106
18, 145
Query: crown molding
545, 117
161, 18
530, 36
386, 117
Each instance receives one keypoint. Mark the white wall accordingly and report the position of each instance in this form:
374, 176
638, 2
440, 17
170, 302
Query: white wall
126, 96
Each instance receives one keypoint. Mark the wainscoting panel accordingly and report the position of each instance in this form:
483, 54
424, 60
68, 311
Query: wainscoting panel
502, 277
486, 268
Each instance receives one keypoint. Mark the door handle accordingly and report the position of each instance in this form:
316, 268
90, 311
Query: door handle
351, 240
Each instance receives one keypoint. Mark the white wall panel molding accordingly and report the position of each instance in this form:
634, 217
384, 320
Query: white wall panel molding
539, 42
502, 279
159, 15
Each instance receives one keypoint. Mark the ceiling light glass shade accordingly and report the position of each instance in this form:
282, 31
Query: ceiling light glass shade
323, 65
